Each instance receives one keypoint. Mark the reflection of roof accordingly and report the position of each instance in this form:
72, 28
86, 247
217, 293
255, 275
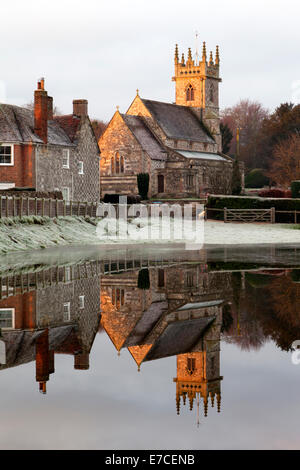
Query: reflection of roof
201, 155
179, 338
20, 345
210, 303
178, 122
17, 125
146, 323
145, 137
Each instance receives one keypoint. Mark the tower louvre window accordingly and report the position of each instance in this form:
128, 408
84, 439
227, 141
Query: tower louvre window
190, 93
191, 365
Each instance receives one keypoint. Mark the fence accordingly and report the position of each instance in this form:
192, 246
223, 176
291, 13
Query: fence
19, 206
249, 215
292, 216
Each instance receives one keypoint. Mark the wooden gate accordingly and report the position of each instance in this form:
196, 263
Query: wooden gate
249, 215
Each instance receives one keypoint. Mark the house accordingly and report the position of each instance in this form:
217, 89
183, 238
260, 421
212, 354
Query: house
178, 145
49, 153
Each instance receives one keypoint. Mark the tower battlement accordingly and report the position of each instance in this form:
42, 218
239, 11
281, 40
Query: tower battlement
197, 81
196, 67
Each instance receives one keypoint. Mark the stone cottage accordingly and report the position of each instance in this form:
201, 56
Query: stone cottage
179, 144
47, 152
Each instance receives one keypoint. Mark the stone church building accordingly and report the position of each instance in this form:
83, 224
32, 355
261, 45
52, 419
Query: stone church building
179, 144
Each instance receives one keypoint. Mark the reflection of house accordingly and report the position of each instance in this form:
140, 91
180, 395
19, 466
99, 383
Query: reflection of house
61, 318
179, 145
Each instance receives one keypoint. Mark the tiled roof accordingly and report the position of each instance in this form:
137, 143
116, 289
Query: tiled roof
178, 122
201, 155
69, 123
145, 137
17, 125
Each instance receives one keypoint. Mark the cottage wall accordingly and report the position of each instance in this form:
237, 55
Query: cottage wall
22, 172
52, 175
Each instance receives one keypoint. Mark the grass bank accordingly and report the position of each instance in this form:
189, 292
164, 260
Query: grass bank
35, 232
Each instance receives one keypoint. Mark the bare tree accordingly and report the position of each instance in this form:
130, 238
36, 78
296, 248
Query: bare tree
285, 166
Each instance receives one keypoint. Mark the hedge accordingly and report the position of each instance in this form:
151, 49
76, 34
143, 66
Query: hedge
244, 202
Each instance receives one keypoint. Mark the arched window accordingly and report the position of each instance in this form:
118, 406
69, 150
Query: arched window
112, 164
117, 164
117, 157
190, 93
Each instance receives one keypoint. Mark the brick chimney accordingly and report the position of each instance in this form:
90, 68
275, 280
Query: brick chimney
50, 108
42, 360
80, 107
41, 111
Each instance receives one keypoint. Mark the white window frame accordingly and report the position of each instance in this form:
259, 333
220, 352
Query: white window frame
80, 168
12, 310
12, 154
81, 302
66, 155
67, 274
67, 199
67, 313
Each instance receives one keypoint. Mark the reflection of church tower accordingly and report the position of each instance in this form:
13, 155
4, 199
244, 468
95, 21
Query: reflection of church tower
198, 378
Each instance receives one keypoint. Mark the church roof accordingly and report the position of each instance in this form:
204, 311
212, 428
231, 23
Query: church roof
17, 125
201, 155
178, 122
145, 137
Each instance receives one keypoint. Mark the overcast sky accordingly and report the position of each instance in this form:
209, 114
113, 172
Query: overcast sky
104, 50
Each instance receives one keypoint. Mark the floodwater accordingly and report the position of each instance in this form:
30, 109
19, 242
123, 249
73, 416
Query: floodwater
156, 349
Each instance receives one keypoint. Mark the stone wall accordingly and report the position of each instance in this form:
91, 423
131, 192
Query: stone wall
50, 172
118, 138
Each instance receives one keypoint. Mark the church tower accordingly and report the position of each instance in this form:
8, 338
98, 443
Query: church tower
197, 86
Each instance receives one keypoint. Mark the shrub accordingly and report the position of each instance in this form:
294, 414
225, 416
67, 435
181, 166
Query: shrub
256, 179
143, 184
295, 187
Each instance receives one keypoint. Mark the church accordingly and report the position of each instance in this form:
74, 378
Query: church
177, 144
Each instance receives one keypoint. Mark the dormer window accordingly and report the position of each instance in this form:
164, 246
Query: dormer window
190, 93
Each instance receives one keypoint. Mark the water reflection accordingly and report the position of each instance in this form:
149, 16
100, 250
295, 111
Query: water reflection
154, 308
